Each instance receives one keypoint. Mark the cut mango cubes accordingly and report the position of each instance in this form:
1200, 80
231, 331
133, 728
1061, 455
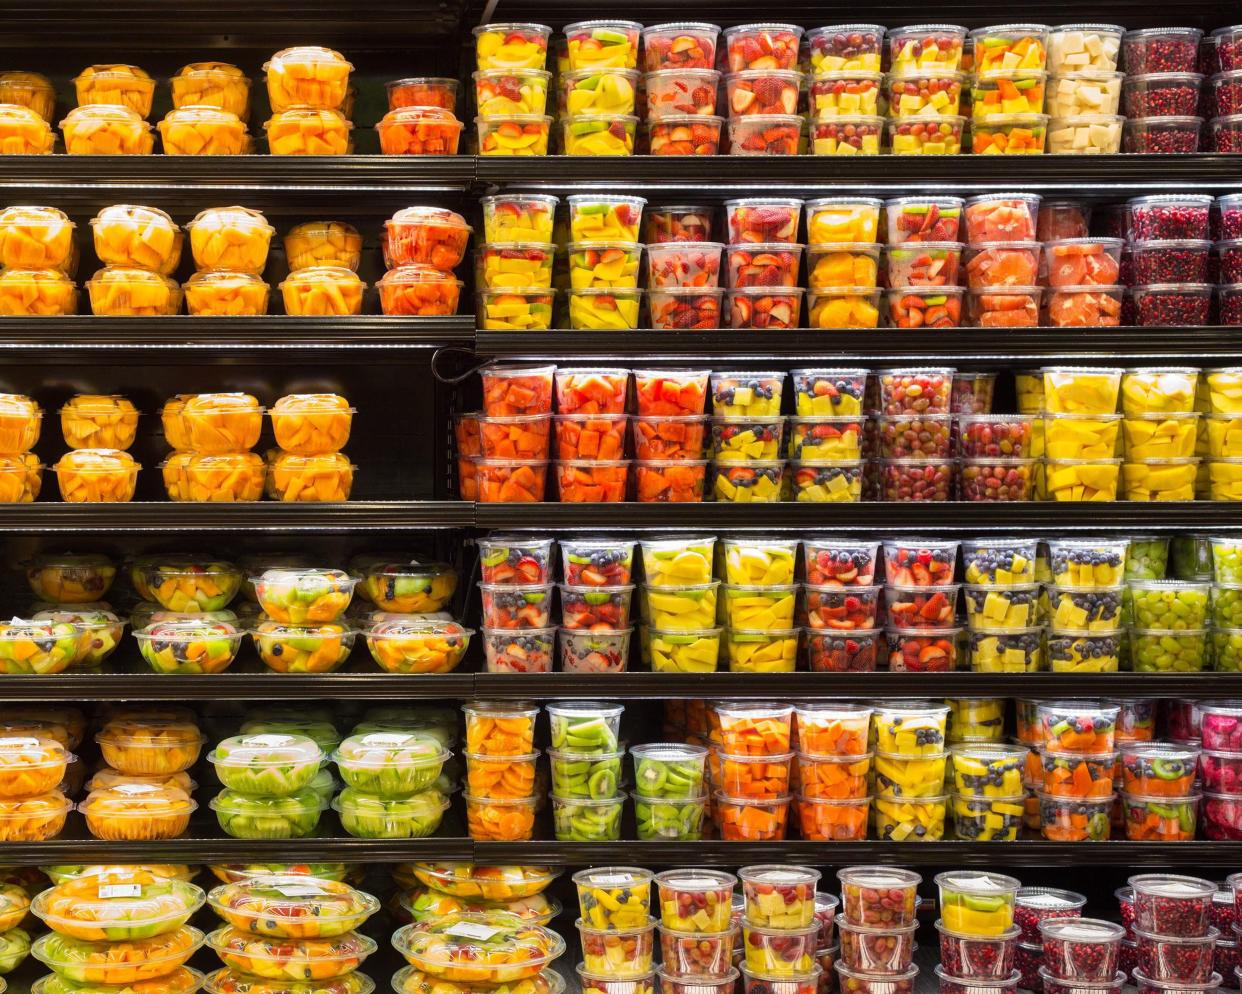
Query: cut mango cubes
102, 130
36, 293
323, 243
216, 293
308, 131
36, 238
232, 238
312, 478
137, 238
323, 291
24, 132
116, 86
96, 475
307, 76
119, 291
212, 84
204, 131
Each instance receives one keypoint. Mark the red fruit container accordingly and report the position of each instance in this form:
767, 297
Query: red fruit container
1160, 50
1081, 949
683, 45
679, 437
765, 134
1172, 905
583, 481
925, 306
933, 264
1176, 959
1001, 217
1004, 307
763, 219
840, 609
1149, 985
762, 46
431, 236
963, 985
1171, 260
879, 895
847, 136
999, 264
762, 91
685, 135
674, 308
665, 392
773, 309
507, 606
670, 482
764, 265
852, 982
679, 224
419, 131
839, 562
977, 957
923, 219
1179, 305
995, 436
1039, 904
997, 480
915, 390
1055, 985
844, 652
755, 983
699, 954
916, 436
683, 264
920, 563
527, 651
591, 391
1162, 135
590, 436
840, 47
973, 392
509, 391
521, 437
1085, 306
876, 950
930, 607
922, 650
509, 481
423, 91
419, 291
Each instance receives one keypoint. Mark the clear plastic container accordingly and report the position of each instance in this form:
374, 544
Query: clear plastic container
307, 76
137, 812
211, 84
96, 475
123, 963
292, 906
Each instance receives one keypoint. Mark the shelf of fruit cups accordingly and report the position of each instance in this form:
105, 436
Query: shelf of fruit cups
1154, 264
141, 246
308, 88
901, 434
823, 91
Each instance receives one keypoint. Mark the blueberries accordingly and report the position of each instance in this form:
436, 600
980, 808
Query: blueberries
277, 649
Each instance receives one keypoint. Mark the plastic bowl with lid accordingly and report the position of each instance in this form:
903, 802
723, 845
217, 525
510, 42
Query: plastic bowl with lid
292, 906
211, 84
307, 76
120, 963
322, 958
478, 948
429, 236
31, 764
231, 238
390, 764
298, 596
252, 816
228, 981
137, 811
371, 816
415, 587
189, 645
119, 903
150, 747
414, 645
471, 881
266, 763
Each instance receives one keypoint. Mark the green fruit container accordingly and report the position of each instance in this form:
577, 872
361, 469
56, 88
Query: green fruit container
1148, 558
1163, 650
323, 733
582, 820
270, 764
1227, 560
99, 632
1227, 649
585, 727
299, 596
669, 771
1175, 605
369, 816
670, 819
249, 817
390, 764
118, 905
1227, 605
585, 776
677, 651
977, 902
14, 948
43, 647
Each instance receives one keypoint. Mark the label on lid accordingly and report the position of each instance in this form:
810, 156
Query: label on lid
473, 930
1077, 929
790, 876
883, 880
1174, 888
386, 739
695, 883
108, 891
613, 880
1043, 901
269, 741
299, 890
977, 885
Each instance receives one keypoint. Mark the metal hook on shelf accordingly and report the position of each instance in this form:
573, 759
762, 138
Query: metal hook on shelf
455, 350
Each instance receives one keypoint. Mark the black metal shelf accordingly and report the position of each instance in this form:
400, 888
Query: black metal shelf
167, 516
360, 338
1110, 177
953, 518
875, 348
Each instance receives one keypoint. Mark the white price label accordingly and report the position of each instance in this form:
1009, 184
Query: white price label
473, 930
299, 890
108, 891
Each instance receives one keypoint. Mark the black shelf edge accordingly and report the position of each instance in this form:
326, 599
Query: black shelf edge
950, 853
874, 348
799, 686
723, 176
167, 516
357, 338
227, 850
957, 518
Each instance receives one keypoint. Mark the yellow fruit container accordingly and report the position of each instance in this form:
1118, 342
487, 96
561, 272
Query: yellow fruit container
1160, 436
232, 238
24, 132
106, 131
323, 243
96, 476
308, 131
137, 237
1160, 479
513, 134
845, 307
846, 264
761, 651
1030, 389
36, 293
322, 291
1225, 476
683, 607
29, 89
96, 421
117, 291
36, 238
1224, 436
307, 76
511, 46
1082, 479
1159, 390
204, 131
176, 431
303, 479
20, 423
312, 424
1224, 390
212, 84
218, 292
757, 608
226, 477
21, 478
116, 86
1081, 436
1073, 390
221, 422
834, 220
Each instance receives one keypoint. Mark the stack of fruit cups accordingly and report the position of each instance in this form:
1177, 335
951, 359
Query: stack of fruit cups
679, 604
1221, 90
595, 626
1222, 773
117, 926
212, 435
829, 439
139, 247
1002, 262
909, 802
1086, 604
763, 242
923, 259
1172, 927
762, 88
591, 435
748, 431
38, 261
311, 921
877, 925
978, 937
924, 89
267, 791
1081, 954
513, 267
308, 465
1158, 801
976, 720
230, 248
1224, 463
309, 91
514, 392
422, 116
1170, 625
600, 88
32, 806
683, 287
585, 758
1081, 434
422, 245
1084, 89
511, 89
1083, 276
750, 771
500, 764
670, 796
759, 599
391, 789
833, 772
846, 89
1003, 606
616, 928
520, 565
842, 235
696, 930
1078, 757
1007, 98
1226, 605
670, 439
920, 606
211, 103
836, 568
21, 471
681, 83
988, 801
925, 392
1179, 222
1162, 90
1229, 247
604, 254
780, 933
114, 102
